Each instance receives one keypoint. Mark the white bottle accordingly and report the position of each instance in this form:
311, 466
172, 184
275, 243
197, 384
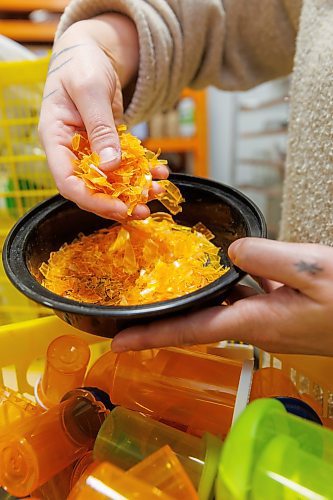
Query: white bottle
186, 117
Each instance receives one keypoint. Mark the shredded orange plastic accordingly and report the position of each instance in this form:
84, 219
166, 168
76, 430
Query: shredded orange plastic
132, 181
135, 263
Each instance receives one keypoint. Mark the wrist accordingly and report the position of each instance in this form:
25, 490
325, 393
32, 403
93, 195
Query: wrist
116, 35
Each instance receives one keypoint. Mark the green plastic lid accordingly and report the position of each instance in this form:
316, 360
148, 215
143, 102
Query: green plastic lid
268, 447
285, 470
209, 472
261, 420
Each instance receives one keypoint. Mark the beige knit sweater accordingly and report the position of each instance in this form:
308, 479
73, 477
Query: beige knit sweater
235, 45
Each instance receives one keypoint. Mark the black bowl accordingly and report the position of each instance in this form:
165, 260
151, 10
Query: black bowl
224, 210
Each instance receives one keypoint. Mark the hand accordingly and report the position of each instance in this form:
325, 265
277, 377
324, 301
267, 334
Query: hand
83, 92
294, 316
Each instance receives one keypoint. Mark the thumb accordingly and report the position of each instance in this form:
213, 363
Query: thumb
94, 105
299, 266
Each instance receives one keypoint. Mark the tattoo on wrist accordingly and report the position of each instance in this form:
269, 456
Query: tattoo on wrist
308, 267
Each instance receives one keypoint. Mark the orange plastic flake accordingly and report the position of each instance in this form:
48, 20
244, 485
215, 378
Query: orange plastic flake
201, 228
171, 198
137, 263
132, 181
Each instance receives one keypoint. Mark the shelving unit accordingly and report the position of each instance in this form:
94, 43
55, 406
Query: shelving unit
15, 22
196, 145
25, 31
261, 133
265, 104
260, 147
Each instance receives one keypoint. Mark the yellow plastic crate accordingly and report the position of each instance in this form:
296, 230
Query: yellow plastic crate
24, 176
23, 347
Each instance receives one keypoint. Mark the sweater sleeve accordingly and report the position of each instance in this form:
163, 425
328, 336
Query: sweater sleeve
231, 44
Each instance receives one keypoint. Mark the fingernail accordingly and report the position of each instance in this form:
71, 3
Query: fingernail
117, 348
232, 250
108, 155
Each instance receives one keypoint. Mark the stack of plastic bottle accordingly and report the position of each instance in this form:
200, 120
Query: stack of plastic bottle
167, 423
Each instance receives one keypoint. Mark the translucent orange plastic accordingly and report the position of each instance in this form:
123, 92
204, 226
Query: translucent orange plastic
100, 374
67, 359
107, 481
37, 448
271, 382
15, 407
193, 391
60, 485
171, 198
138, 263
163, 470
131, 182
81, 467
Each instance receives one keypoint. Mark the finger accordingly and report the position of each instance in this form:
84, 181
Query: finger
300, 266
240, 292
261, 320
60, 160
269, 285
155, 190
140, 212
93, 101
265, 284
101, 204
161, 172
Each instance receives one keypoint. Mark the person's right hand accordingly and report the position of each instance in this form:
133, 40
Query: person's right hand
83, 93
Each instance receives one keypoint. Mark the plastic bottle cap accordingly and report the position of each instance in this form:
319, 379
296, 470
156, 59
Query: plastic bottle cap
98, 394
300, 408
241, 441
208, 476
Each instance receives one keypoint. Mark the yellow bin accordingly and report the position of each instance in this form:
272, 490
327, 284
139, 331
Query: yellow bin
24, 176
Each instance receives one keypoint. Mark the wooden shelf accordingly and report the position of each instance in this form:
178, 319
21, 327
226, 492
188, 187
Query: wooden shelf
170, 144
262, 133
197, 145
30, 5
27, 31
266, 104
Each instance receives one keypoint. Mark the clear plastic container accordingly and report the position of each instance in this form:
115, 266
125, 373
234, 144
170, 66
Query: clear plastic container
187, 389
37, 448
67, 359
15, 407
107, 481
127, 437
163, 470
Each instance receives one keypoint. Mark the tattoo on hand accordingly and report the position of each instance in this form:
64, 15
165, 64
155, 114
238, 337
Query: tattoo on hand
49, 94
307, 267
60, 66
57, 54
66, 49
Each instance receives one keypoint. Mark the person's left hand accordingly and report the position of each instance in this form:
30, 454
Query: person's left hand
294, 316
